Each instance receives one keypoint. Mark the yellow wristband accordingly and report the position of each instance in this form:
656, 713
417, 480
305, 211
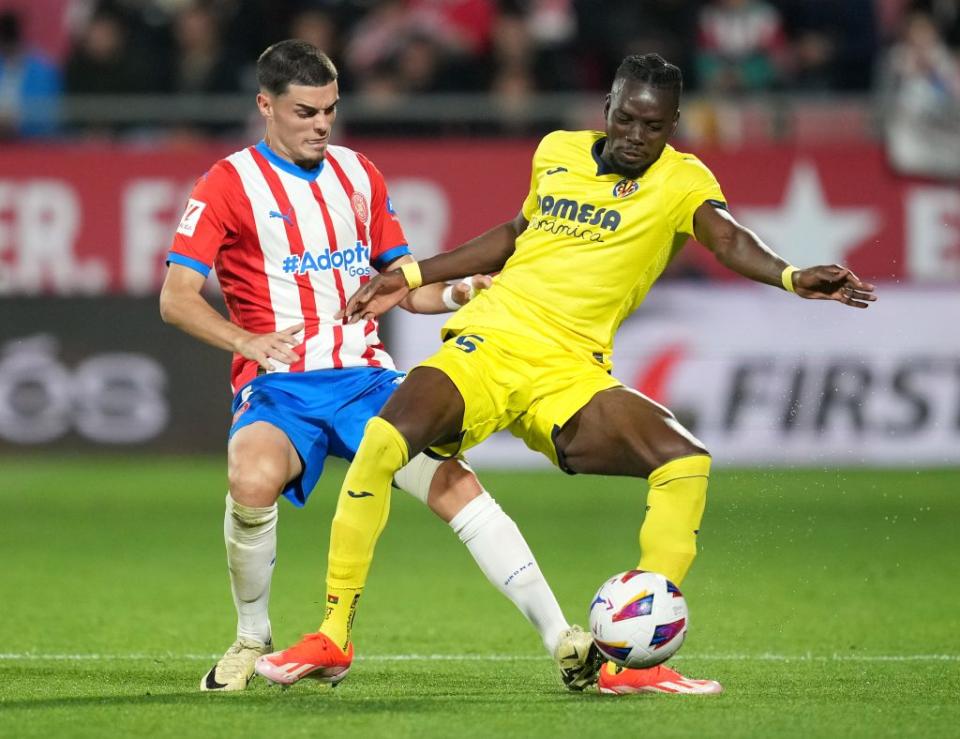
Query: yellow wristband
411, 273
786, 277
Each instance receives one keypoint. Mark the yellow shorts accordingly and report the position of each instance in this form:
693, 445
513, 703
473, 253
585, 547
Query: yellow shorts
512, 382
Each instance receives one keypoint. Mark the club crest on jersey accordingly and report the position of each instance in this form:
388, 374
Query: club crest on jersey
360, 207
625, 188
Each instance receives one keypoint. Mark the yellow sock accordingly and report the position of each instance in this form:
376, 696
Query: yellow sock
675, 502
362, 510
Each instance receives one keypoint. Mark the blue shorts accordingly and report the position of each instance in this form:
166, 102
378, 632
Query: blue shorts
322, 412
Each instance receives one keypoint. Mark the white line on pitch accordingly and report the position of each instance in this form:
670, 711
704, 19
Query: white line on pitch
765, 657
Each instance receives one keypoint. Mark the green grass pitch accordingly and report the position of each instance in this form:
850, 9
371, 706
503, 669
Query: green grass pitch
825, 601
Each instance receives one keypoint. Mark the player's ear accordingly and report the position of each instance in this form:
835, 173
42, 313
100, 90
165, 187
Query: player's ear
606, 106
265, 105
676, 122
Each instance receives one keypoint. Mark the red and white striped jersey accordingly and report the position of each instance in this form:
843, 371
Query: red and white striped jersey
291, 245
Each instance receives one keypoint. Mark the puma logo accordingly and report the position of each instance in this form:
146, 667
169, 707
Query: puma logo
361, 494
286, 216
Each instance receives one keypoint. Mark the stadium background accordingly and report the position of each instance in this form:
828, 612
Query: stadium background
834, 128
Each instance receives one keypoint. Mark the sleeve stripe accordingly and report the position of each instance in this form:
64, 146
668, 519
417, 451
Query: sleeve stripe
194, 264
389, 255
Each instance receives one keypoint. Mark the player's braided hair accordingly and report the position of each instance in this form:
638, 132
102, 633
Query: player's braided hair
650, 69
293, 62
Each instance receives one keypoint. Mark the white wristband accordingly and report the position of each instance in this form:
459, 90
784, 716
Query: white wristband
447, 297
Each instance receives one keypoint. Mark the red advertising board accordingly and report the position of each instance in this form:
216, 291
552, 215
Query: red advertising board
96, 219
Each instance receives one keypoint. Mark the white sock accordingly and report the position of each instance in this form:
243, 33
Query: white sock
251, 538
502, 553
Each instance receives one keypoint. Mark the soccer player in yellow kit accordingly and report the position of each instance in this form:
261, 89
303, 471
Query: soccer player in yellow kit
605, 214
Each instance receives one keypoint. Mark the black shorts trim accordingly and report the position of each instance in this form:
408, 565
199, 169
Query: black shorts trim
561, 458
440, 457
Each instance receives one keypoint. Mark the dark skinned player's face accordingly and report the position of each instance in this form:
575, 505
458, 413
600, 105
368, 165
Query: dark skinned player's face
640, 119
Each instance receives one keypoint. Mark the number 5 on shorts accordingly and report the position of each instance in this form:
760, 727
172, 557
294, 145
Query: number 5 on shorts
467, 342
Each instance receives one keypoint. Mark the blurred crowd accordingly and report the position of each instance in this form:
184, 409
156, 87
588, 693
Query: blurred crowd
391, 49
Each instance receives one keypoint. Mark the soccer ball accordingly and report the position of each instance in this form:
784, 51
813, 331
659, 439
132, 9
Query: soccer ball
638, 619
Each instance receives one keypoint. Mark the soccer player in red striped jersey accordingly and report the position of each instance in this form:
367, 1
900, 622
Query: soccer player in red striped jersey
293, 226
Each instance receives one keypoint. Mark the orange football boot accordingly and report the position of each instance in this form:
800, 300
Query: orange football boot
615, 680
315, 656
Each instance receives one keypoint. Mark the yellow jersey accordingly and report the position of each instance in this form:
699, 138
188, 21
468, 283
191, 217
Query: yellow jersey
595, 243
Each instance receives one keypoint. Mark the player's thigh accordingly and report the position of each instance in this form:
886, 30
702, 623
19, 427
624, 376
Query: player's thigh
261, 460
426, 408
458, 397
562, 386
622, 432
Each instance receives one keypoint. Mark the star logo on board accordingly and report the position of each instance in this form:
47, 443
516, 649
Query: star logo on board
804, 229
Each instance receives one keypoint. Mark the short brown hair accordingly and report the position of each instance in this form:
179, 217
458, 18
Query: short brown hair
293, 62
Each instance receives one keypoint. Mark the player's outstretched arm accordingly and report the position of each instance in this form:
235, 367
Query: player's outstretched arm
740, 249
443, 298
182, 305
483, 255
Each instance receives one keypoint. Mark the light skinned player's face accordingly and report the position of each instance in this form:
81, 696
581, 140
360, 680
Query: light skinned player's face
640, 120
299, 121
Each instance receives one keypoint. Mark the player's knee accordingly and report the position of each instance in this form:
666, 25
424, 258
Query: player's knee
673, 448
666, 441
256, 482
453, 486
251, 518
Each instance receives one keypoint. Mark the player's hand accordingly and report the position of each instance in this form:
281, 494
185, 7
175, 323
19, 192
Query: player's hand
376, 297
833, 282
466, 290
276, 346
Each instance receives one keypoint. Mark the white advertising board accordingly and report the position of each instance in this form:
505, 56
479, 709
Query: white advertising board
765, 378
